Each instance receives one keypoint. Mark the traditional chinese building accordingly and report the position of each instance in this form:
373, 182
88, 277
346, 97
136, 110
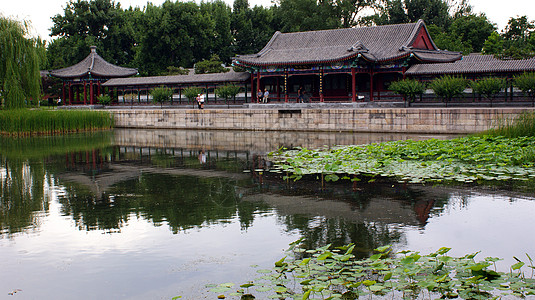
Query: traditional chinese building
340, 64
137, 89
87, 76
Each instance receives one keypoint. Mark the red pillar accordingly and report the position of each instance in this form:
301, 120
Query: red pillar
85, 93
321, 86
253, 93
353, 86
286, 86
371, 85
63, 94
278, 88
70, 93
91, 92
257, 85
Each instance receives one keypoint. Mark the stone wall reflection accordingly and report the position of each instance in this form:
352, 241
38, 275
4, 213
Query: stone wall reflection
252, 141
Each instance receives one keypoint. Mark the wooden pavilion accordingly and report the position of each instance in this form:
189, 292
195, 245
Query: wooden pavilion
88, 74
338, 64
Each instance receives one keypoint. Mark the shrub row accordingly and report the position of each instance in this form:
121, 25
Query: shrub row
448, 87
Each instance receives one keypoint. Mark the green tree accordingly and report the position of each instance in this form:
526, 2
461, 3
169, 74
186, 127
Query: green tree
226, 92
519, 38
518, 29
184, 36
447, 87
102, 23
431, 11
191, 93
20, 58
402, 11
172, 70
516, 42
526, 83
493, 44
104, 99
221, 14
409, 88
473, 30
161, 94
251, 27
389, 12
348, 10
488, 87
213, 65
306, 15
448, 41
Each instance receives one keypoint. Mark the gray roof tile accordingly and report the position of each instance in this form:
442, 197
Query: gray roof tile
95, 65
474, 63
379, 43
230, 76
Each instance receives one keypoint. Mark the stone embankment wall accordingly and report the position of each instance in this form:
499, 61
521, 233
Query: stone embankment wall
398, 120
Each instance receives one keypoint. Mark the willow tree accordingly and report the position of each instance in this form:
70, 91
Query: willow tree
20, 81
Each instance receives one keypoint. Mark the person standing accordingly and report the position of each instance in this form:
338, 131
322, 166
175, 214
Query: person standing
300, 95
266, 95
200, 100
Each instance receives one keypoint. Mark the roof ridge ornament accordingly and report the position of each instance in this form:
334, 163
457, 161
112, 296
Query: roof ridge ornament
358, 46
93, 54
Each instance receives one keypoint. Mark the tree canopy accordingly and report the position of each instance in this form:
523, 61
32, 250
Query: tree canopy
20, 62
517, 41
174, 35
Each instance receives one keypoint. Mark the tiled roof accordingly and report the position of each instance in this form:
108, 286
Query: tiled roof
377, 44
230, 76
94, 65
474, 63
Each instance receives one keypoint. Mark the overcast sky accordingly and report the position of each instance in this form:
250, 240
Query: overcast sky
40, 12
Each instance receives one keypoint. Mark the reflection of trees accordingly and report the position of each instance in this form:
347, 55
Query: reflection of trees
183, 202
25, 170
319, 231
367, 214
21, 194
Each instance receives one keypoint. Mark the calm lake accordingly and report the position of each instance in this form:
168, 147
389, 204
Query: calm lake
153, 214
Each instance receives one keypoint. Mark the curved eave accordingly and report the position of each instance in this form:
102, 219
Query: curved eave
178, 80
451, 59
131, 73
94, 74
70, 76
294, 62
481, 71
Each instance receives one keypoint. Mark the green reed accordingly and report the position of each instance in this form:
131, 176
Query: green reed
39, 121
523, 125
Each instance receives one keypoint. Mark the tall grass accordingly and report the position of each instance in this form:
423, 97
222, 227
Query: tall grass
522, 125
27, 122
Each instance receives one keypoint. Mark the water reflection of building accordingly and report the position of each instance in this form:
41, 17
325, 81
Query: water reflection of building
100, 170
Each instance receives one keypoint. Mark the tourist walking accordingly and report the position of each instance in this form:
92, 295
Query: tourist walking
300, 95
